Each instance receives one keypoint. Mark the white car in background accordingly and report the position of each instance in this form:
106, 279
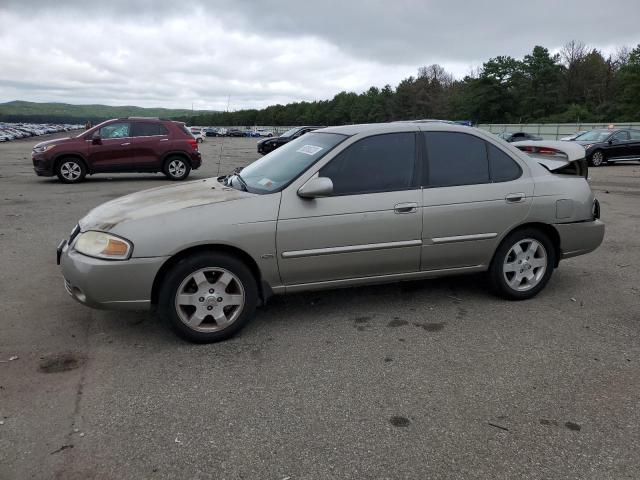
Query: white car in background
198, 133
263, 132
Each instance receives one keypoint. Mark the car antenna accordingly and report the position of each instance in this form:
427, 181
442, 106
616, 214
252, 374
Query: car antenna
222, 142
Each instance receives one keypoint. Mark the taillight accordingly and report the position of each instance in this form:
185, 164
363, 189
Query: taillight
193, 142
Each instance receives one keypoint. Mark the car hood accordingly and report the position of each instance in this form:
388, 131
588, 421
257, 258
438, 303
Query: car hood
585, 142
159, 201
55, 141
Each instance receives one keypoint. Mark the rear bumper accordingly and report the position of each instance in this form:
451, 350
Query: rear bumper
110, 285
196, 160
580, 237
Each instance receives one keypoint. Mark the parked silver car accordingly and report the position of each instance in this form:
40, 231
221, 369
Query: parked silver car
337, 207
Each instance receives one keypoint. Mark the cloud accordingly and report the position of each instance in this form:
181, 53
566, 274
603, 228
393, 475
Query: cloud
166, 53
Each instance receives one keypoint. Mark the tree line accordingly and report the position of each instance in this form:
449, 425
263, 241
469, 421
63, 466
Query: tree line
577, 84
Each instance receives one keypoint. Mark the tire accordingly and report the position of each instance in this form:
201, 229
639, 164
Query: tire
176, 168
71, 170
519, 276
199, 280
199, 140
597, 159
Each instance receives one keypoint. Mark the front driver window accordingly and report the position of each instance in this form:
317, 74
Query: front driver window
379, 163
115, 130
621, 136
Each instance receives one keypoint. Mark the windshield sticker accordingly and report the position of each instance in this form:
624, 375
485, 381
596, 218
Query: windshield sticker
265, 182
309, 149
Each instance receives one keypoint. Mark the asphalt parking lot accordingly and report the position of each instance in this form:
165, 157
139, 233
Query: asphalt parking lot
428, 379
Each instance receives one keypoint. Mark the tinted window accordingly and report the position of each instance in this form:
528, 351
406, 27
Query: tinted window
115, 130
375, 164
621, 136
147, 129
455, 159
503, 167
634, 134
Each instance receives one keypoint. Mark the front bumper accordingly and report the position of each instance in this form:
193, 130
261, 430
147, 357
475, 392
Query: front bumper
108, 284
580, 237
42, 165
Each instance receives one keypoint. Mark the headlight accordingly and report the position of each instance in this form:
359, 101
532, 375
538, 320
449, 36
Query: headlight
588, 146
43, 148
103, 245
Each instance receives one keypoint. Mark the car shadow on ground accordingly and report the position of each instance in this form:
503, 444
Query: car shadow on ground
331, 305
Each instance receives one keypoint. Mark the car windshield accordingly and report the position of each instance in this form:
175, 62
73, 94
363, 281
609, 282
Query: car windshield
289, 133
594, 136
277, 169
505, 135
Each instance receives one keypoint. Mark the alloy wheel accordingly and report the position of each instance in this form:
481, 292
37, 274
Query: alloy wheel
70, 171
525, 264
210, 299
597, 159
177, 168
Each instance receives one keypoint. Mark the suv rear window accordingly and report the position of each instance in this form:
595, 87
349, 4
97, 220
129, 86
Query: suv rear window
149, 129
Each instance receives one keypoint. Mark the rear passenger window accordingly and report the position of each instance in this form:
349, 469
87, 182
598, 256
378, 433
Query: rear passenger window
634, 134
503, 167
148, 129
455, 159
380, 163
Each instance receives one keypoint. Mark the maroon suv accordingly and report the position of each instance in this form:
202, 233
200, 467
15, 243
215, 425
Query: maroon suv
122, 145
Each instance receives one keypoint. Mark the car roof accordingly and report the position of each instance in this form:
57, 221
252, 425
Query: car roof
377, 128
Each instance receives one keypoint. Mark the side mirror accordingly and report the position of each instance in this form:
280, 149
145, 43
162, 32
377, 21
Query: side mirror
316, 187
96, 139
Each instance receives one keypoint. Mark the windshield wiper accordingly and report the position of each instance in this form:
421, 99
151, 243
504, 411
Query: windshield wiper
242, 182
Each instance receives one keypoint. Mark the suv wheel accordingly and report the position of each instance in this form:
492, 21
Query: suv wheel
208, 297
176, 168
522, 264
70, 170
597, 158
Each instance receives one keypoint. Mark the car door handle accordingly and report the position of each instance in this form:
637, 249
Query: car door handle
410, 207
164, 139
125, 144
515, 197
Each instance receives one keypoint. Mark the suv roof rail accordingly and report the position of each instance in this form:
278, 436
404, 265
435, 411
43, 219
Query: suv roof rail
141, 118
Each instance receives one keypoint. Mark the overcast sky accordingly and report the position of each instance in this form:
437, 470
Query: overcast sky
172, 53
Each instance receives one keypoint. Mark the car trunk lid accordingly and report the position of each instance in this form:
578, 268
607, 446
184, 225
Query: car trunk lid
560, 157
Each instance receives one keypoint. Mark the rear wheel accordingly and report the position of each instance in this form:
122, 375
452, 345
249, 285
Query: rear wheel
522, 264
176, 168
71, 170
208, 297
199, 140
597, 158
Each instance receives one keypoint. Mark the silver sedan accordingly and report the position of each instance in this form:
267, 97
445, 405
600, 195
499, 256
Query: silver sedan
337, 207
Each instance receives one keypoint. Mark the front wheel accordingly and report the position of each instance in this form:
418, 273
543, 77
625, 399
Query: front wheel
522, 264
597, 158
208, 297
176, 168
71, 170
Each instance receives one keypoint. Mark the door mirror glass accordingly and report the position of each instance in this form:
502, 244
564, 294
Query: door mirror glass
316, 187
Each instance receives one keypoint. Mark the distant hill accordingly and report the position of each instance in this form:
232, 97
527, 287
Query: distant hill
19, 111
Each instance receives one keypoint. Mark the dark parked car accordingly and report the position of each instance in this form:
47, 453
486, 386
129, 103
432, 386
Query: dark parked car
269, 144
235, 132
122, 145
610, 145
210, 132
518, 136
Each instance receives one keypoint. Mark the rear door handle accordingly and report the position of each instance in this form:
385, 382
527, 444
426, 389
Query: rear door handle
125, 144
410, 207
164, 140
515, 197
